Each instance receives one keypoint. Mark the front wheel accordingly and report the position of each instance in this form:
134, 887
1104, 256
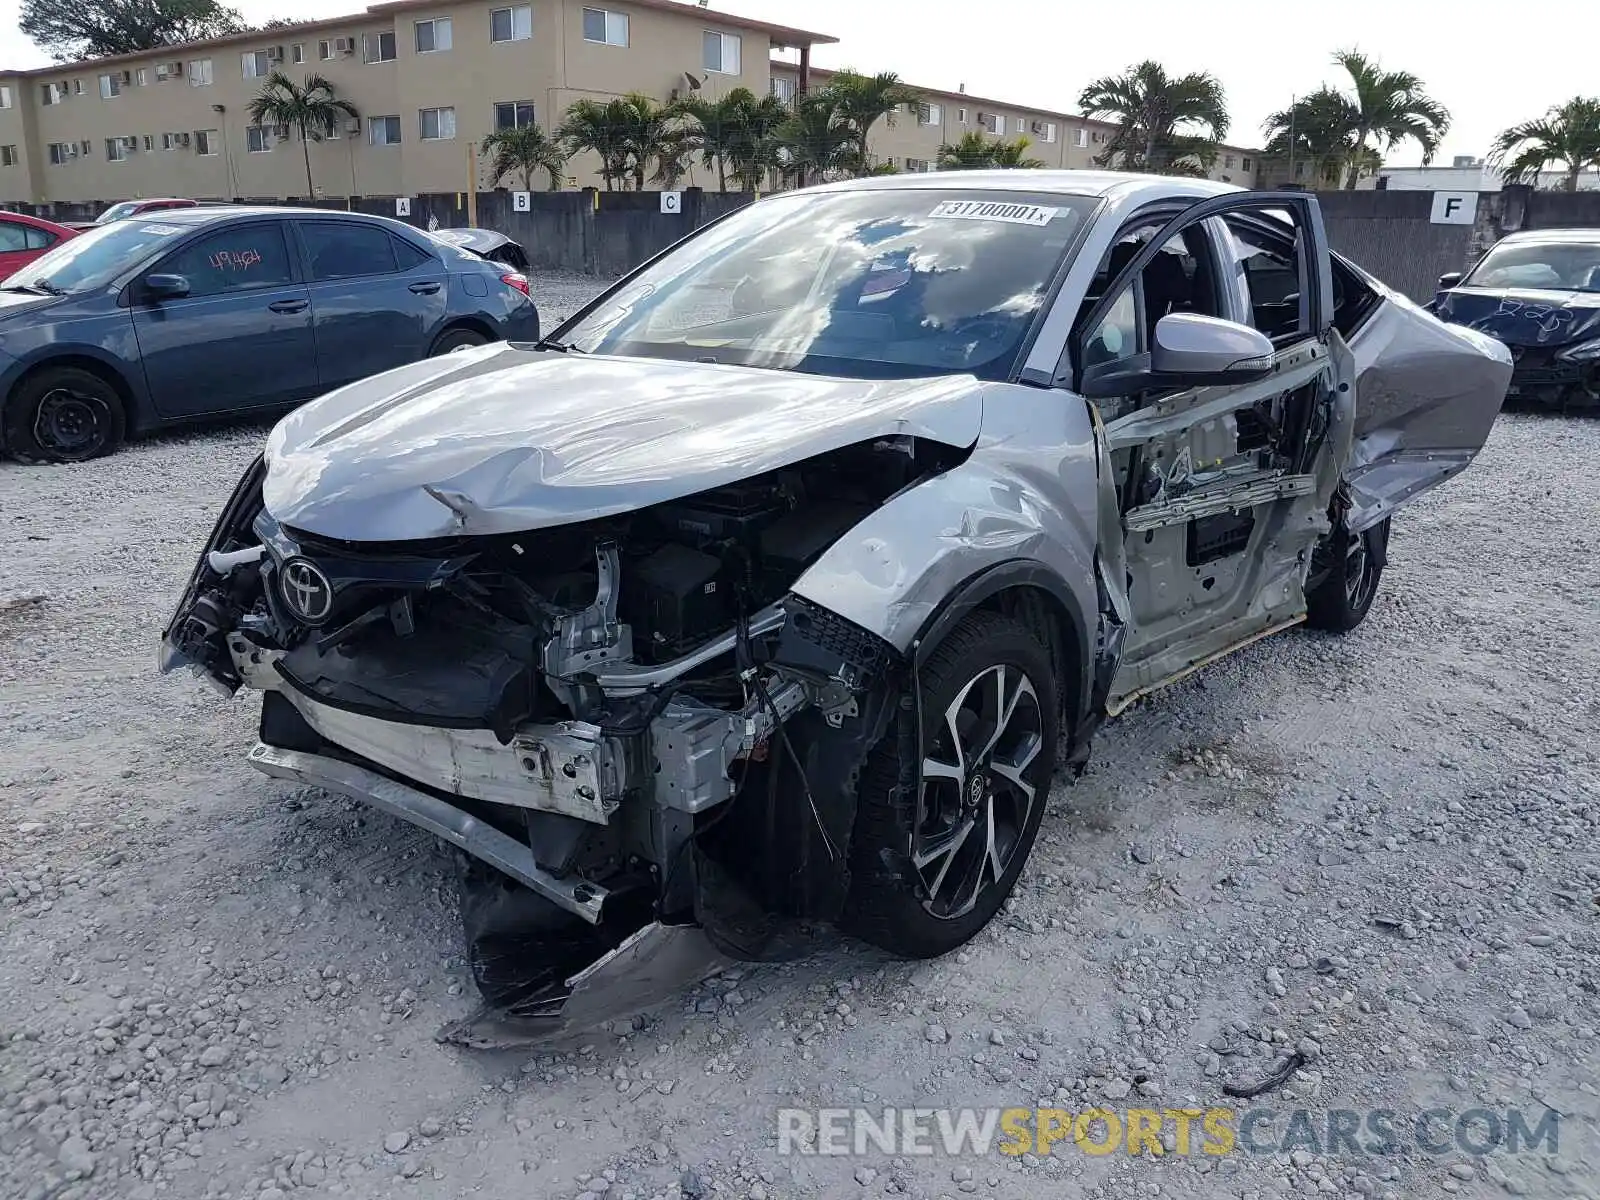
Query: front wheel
63, 414
930, 870
1353, 566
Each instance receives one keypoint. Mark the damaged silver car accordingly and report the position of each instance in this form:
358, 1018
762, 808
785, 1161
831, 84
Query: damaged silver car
772, 588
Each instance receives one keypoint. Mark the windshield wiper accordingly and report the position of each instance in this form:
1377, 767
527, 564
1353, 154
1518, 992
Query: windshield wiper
44, 287
563, 347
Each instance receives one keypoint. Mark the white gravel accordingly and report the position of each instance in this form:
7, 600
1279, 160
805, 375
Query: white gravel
1380, 851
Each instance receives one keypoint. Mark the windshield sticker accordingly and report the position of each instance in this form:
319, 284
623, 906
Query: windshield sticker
161, 230
988, 210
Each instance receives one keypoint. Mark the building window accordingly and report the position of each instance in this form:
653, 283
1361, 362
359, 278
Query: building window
1244, 164
5, 95
116, 150
377, 47
961, 116
1227, 162
433, 35
1021, 125
383, 131
721, 53
149, 142
297, 52
200, 73
258, 139
1080, 138
110, 85
205, 142
785, 89
930, 114
62, 152
513, 114
1049, 133
77, 87
141, 77
8, 156
994, 124
606, 27
324, 50
513, 24
256, 64
438, 124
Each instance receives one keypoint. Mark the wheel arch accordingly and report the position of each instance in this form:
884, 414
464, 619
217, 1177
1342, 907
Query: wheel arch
455, 324
1038, 597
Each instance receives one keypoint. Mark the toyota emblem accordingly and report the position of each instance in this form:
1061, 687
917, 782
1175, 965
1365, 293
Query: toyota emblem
306, 590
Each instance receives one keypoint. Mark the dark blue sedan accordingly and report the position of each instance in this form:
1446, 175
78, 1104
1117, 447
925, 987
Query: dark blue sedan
198, 313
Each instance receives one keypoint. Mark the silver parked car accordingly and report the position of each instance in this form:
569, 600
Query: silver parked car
775, 585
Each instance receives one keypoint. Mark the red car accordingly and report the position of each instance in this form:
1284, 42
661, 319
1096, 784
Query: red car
23, 239
124, 209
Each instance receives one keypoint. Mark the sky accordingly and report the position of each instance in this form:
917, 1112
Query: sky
1487, 67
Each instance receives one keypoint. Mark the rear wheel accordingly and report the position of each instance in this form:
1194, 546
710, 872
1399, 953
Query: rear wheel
990, 721
63, 414
1354, 562
457, 339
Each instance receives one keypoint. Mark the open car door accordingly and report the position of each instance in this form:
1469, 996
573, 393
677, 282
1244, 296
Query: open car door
1222, 490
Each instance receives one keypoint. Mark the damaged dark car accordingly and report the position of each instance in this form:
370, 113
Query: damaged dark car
1539, 293
773, 588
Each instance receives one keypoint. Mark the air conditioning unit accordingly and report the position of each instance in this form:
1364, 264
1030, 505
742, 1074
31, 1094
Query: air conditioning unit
175, 69
274, 53
130, 143
281, 132
345, 46
1036, 126
84, 147
126, 77
183, 139
353, 126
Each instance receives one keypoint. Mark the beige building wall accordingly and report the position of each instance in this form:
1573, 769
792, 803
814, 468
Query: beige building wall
551, 68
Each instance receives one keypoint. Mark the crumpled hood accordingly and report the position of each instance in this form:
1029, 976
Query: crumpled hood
1523, 316
499, 440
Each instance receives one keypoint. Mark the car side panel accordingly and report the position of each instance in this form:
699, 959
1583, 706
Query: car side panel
1028, 492
87, 327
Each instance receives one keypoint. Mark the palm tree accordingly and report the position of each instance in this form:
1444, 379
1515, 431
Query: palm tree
816, 140
973, 152
1164, 124
1568, 134
1391, 106
861, 101
526, 149
1318, 129
1013, 155
716, 128
650, 133
315, 110
755, 153
601, 128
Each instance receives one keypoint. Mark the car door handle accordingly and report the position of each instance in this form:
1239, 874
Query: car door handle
424, 289
288, 306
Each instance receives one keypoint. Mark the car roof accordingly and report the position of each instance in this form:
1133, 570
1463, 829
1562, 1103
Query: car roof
36, 222
1552, 235
1107, 184
207, 214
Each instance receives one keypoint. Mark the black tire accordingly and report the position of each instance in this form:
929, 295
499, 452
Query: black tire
63, 414
892, 903
457, 339
1352, 566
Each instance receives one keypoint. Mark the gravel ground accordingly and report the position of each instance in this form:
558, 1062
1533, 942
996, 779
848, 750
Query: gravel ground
1376, 852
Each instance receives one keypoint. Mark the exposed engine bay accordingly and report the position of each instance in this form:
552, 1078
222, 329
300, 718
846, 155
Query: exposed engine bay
586, 694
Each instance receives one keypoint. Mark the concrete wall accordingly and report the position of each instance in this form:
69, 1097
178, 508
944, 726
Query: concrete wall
1390, 234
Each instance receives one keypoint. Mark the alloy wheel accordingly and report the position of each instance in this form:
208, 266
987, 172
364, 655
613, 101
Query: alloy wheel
976, 799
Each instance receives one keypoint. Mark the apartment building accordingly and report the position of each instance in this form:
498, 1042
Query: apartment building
1057, 139
429, 77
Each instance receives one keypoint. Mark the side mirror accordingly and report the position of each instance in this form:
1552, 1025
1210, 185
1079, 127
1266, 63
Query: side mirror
165, 287
1449, 280
1189, 350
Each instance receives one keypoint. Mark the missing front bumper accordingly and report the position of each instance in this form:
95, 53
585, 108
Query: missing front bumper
438, 817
